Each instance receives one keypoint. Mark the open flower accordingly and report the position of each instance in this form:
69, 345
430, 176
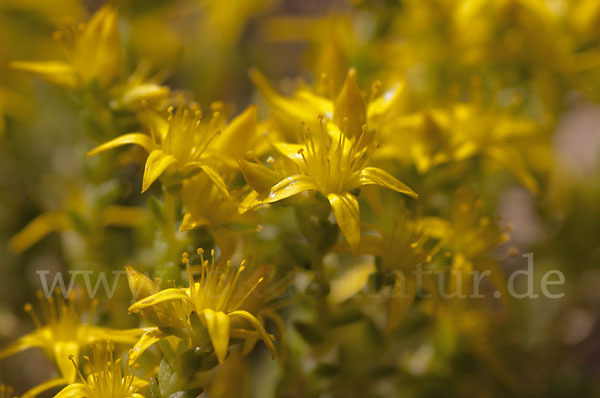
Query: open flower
98, 40
330, 163
63, 334
305, 105
177, 147
400, 250
211, 305
106, 379
461, 131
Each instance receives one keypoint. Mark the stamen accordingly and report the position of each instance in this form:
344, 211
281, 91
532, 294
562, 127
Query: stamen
375, 87
301, 153
240, 302
188, 269
29, 309
72, 359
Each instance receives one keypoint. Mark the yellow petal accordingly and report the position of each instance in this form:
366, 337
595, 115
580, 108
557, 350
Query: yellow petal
257, 326
218, 326
134, 96
123, 216
514, 162
238, 135
76, 390
140, 139
291, 151
139, 284
216, 178
384, 103
249, 202
62, 352
30, 340
149, 338
350, 282
160, 297
156, 164
72, 390
123, 336
191, 221
376, 176
350, 104
288, 112
259, 177
435, 227
289, 186
52, 71
403, 296
100, 42
37, 229
347, 214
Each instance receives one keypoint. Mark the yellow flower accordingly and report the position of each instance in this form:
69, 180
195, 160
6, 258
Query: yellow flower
106, 380
58, 221
304, 106
177, 146
211, 305
205, 205
409, 244
82, 209
62, 334
332, 164
93, 53
139, 91
471, 236
460, 132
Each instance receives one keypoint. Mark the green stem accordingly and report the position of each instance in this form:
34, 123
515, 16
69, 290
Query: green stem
170, 216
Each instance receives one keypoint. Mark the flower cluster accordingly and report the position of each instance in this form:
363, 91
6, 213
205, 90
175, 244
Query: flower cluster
253, 208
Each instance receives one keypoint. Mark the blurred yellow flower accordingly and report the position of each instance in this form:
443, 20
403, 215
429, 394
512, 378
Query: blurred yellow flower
106, 379
63, 334
462, 131
304, 106
98, 40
